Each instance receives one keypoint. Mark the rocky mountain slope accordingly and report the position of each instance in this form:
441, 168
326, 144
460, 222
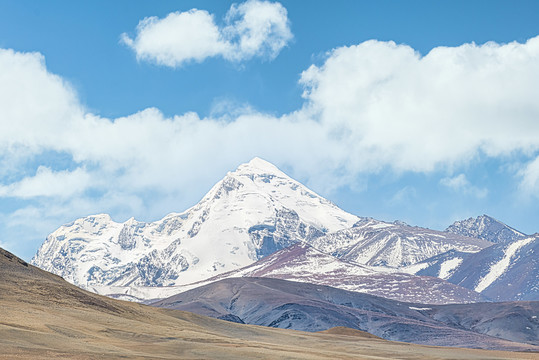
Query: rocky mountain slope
252, 212
441, 266
303, 263
503, 272
486, 228
377, 243
302, 306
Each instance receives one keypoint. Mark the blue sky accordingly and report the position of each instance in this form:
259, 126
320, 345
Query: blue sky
348, 97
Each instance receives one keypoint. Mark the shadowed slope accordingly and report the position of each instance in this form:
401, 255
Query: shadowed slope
309, 307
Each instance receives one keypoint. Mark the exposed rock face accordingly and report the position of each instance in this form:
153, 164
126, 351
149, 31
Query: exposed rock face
287, 230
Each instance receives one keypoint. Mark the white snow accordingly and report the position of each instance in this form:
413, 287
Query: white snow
419, 309
414, 268
497, 269
374, 243
447, 267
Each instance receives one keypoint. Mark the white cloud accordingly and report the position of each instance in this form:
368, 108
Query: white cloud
179, 37
369, 107
394, 107
257, 28
457, 183
405, 195
253, 28
461, 184
530, 177
36, 107
50, 184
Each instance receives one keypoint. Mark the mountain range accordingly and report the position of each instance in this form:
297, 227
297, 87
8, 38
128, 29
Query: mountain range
379, 243
261, 248
506, 271
502, 272
254, 212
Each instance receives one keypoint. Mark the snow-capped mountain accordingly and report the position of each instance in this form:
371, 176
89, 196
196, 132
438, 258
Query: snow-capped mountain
503, 272
486, 228
506, 271
377, 243
252, 212
303, 263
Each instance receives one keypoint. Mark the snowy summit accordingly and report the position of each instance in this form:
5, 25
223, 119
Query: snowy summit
252, 212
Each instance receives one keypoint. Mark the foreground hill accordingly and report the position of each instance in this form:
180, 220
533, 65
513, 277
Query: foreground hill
302, 306
44, 317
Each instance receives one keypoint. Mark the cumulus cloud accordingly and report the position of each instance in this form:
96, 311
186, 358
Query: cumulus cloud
460, 183
370, 107
50, 183
257, 28
396, 108
252, 29
36, 107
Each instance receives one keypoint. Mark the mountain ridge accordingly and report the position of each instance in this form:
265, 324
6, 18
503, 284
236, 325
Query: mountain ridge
253, 212
503, 272
379, 243
487, 228
303, 263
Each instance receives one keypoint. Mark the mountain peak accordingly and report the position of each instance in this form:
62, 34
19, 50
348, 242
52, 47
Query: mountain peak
487, 228
258, 165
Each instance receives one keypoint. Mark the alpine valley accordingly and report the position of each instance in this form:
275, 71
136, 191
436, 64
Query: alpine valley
257, 223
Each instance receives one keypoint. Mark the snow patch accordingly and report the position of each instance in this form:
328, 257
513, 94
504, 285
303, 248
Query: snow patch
448, 267
501, 266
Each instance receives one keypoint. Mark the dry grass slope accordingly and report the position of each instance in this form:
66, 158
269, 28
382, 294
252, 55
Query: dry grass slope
44, 317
